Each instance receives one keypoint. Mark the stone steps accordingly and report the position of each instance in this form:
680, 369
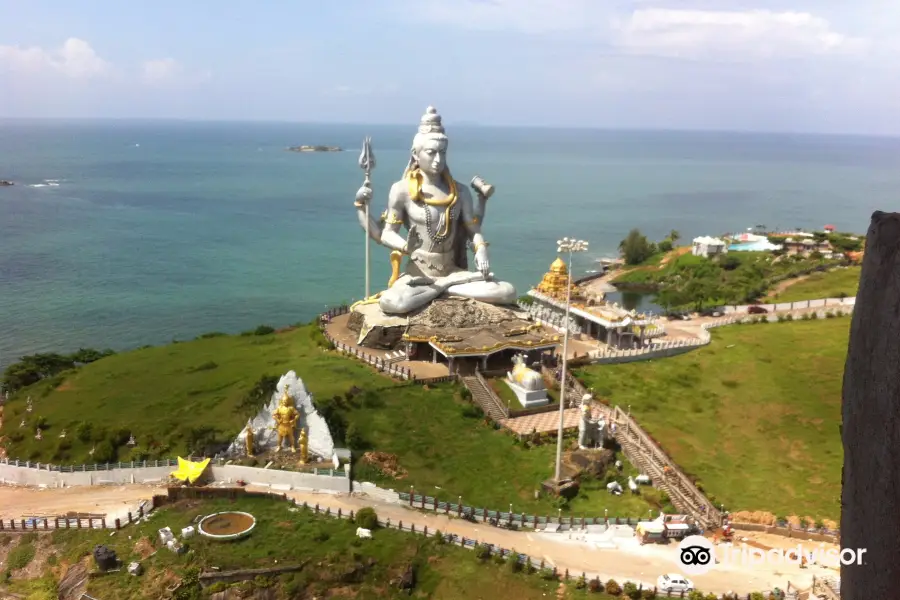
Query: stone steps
483, 398
680, 500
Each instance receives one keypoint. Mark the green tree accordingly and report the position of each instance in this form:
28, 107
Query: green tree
636, 248
699, 292
665, 246
669, 297
674, 236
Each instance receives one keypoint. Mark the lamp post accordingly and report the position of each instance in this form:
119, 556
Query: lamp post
569, 246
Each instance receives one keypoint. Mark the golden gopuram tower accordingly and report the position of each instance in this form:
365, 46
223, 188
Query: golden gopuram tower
554, 281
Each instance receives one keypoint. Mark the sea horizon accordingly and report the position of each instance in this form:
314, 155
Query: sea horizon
123, 233
450, 123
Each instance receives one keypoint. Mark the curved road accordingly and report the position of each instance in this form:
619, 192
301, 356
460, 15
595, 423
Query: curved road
630, 562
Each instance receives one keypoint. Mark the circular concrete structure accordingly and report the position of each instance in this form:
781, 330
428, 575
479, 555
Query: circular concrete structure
225, 526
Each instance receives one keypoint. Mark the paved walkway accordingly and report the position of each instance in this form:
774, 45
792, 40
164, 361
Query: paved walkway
630, 562
548, 421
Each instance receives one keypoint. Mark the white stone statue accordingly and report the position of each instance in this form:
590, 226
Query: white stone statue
442, 221
526, 378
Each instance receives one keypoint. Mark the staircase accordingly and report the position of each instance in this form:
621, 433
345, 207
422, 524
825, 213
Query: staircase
683, 494
484, 397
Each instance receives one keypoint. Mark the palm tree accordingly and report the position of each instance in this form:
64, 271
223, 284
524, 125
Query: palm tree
674, 236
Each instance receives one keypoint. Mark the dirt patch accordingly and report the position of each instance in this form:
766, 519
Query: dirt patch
43, 548
144, 548
783, 285
762, 518
65, 386
17, 502
386, 463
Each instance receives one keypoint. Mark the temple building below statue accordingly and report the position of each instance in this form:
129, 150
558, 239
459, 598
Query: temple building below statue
463, 333
589, 316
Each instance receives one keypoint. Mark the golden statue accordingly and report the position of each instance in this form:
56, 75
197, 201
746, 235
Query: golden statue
249, 441
286, 417
304, 447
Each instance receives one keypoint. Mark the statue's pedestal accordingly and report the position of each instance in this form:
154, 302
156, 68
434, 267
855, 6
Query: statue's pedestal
567, 488
376, 329
528, 398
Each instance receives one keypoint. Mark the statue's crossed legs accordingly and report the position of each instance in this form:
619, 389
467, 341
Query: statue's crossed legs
409, 293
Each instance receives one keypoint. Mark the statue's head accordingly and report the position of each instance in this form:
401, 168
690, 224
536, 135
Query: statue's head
429, 147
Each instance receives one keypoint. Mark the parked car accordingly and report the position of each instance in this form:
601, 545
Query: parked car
711, 312
757, 310
674, 583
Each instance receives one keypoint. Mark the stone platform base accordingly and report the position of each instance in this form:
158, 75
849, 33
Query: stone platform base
567, 488
458, 325
528, 398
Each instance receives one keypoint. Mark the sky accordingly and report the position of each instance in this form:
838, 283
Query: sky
825, 66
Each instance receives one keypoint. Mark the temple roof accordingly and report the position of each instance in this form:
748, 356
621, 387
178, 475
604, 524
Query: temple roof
559, 266
456, 326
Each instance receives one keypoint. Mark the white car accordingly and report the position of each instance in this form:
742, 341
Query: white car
674, 583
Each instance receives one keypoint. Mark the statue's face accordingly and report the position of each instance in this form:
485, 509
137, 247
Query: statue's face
431, 156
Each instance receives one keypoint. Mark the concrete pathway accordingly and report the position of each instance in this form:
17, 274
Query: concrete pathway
548, 421
578, 551
629, 562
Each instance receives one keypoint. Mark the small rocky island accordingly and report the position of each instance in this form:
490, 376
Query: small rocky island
5, 183
315, 149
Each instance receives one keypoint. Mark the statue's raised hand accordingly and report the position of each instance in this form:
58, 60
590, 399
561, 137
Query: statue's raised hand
481, 261
363, 195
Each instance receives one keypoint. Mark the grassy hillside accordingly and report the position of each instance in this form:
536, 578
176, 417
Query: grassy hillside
177, 397
831, 284
340, 565
172, 398
754, 415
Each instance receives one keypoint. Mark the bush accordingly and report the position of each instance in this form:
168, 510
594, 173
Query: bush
829, 314
695, 595
580, 583
20, 556
789, 317
482, 551
104, 452
548, 574
366, 518
438, 538
649, 594
613, 588
631, 590
595, 586
354, 438
512, 560
470, 411
211, 334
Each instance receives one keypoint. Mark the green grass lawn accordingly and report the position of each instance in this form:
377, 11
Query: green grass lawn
830, 284
161, 394
448, 454
754, 415
294, 536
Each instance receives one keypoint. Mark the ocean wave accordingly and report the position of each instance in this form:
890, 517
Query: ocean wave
46, 183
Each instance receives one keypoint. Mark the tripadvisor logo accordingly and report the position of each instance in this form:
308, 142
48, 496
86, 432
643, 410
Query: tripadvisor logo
697, 556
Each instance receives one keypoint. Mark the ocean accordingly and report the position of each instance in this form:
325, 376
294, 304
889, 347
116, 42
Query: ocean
119, 234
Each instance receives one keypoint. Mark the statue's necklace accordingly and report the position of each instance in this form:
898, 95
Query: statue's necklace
414, 178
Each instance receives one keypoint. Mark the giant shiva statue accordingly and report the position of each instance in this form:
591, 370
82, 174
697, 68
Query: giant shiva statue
442, 223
